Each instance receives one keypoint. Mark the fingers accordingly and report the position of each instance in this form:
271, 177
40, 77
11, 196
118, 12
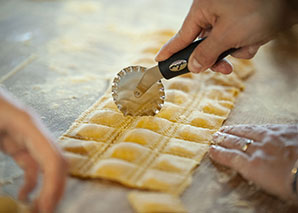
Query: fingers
185, 36
25, 161
30, 168
247, 52
206, 54
52, 187
235, 142
239, 137
55, 171
49, 159
223, 66
28, 142
231, 158
254, 132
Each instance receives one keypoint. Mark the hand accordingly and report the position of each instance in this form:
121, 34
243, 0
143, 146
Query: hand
228, 24
267, 161
24, 138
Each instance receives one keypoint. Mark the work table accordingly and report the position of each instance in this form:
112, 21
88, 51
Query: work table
58, 58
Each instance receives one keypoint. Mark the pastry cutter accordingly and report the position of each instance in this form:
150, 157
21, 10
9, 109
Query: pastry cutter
138, 91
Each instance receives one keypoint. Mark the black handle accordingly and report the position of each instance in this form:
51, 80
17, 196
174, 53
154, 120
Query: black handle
177, 63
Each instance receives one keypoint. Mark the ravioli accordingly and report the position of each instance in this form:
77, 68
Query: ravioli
160, 152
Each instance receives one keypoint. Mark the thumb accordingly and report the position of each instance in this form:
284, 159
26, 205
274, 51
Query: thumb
207, 52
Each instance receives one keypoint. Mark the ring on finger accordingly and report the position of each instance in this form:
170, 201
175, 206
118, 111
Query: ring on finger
246, 145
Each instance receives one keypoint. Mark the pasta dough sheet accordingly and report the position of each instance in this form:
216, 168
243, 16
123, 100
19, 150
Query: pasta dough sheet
154, 152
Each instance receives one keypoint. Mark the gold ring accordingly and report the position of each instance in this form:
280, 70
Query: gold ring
247, 143
294, 173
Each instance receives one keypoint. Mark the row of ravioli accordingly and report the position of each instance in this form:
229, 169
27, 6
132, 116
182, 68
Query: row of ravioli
180, 154
214, 108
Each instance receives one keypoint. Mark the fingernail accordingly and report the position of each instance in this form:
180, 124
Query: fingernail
223, 128
214, 137
216, 134
214, 147
218, 137
221, 68
225, 68
157, 56
253, 49
195, 66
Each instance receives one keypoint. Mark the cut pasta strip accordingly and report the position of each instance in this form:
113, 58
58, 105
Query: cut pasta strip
113, 169
81, 147
163, 180
174, 164
105, 117
143, 137
131, 152
92, 131
186, 149
155, 202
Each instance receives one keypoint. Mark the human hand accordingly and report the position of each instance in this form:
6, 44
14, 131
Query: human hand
267, 161
23, 137
245, 24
